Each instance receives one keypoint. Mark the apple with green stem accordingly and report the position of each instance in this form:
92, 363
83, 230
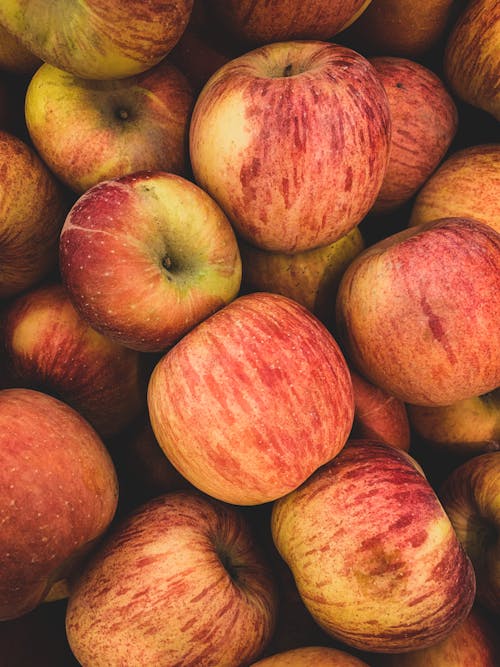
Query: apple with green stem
180, 580
91, 131
292, 139
97, 40
146, 257
59, 493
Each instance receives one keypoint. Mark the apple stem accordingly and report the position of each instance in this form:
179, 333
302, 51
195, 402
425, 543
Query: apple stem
288, 70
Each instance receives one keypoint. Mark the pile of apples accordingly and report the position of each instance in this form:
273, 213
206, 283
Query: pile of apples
250, 333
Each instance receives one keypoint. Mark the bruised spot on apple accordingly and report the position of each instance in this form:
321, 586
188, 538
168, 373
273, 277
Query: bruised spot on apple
146, 257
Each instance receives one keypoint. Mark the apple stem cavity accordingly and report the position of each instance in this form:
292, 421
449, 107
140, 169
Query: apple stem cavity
122, 114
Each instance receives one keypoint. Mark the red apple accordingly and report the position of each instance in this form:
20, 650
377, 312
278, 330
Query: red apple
471, 644
263, 22
58, 495
463, 429
292, 140
471, 497
379, 415
29, 233
179, 582
374, 556
49, 347
472, 56
270, 381
145, 257
98, 40
466, 185
418, 312
424, 122
311, 277
311, 656
91, 131
401, 27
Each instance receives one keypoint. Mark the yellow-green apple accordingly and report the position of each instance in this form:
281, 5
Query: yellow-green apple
467, 184
373, 553
147, 256
379, 415
311, 656
472, 643
49, 347
464, 429
424, 123
180, 581
97, 40
58, 495
401, 27
471, 497
91, 131
264, 22
271, 382
418, 312
14, 56
292, 139
472, 56
310, 277
32, 210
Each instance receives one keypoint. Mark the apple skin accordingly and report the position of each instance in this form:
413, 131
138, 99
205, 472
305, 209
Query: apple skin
378, 415
424, 123
102, 39
311, 656
147, 256
464, 429
264, 22
49, 347
401, 28
472, 644
397, 578
311, 277
180, 581
292, 139
273, 385
58, 495
14, 56
29, 234
418, 312
466, 185
472, 57
91, 131
471, 497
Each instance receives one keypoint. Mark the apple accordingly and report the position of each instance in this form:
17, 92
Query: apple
471, 497
463, 429
263, 22
418, 312
270, 381
58, 495
467, 184
310, 277
93, 40
374, 555
49, 347
472, 644
292, 139
91, 131
29, 234
402, 28
311, 656
180, 581
14, 56
147, 256
424, 123
472, 57
379, 415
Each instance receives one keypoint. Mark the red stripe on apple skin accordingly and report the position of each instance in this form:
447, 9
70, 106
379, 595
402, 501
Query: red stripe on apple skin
397, 577
269, 370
